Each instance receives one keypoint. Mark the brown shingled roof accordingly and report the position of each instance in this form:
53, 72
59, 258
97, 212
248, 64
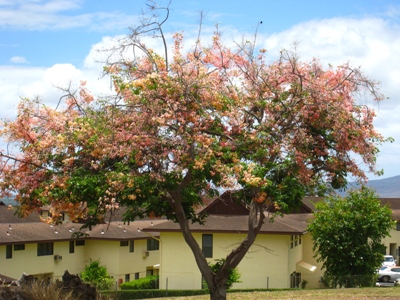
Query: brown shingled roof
32, 230
7, 215
226, 204
310, 202
39, 232
239, 223
394, 204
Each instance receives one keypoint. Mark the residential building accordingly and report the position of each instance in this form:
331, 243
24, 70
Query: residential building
392, 242
281, 256
36, 248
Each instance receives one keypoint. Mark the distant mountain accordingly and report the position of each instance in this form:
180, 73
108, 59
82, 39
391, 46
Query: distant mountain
385, 188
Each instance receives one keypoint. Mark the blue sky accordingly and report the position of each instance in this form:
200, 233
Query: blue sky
43, 33
47, 43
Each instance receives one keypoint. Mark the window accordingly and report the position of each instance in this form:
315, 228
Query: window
71, 247
19, 247
152, 244
123, 243
127, 277
45, 214
44, 249
207, 245
136, 275
295, 240
8, 251
131, 246
80, 243
397, 270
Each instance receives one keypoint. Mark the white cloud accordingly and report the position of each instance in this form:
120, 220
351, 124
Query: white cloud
100, 52
18, 60
45, 83
62, 74
106, 50
371, 43
13, 79
55, 14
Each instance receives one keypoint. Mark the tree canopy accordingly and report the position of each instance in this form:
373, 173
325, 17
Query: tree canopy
216, 118
211, 118
347, 234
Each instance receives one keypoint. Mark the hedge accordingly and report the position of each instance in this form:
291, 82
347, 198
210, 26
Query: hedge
147, 283
146, 294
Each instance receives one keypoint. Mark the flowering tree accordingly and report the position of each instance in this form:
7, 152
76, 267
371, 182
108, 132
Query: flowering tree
181, 127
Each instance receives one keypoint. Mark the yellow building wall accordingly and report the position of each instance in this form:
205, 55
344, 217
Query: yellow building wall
295, 255
178, 269
392, 244
119, 261
266, 264
295, 252
73, 262
312, 278
105, 251
27, 261
142, 262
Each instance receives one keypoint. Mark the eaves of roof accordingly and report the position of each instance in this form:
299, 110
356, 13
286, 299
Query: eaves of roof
8, 215
239, 224
39, 232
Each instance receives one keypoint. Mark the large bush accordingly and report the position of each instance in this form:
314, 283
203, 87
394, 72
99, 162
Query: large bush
347, 234
96, 275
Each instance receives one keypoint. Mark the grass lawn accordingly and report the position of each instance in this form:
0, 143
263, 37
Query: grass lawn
386, 293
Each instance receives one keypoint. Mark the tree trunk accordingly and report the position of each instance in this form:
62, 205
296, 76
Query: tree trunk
218, 291
217, 282
217, 286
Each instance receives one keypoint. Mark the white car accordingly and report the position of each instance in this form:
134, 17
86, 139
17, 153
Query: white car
389, 274
388, 260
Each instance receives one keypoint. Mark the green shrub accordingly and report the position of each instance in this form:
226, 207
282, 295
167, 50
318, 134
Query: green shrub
147, 283
96, 275
146, 294
233, 276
